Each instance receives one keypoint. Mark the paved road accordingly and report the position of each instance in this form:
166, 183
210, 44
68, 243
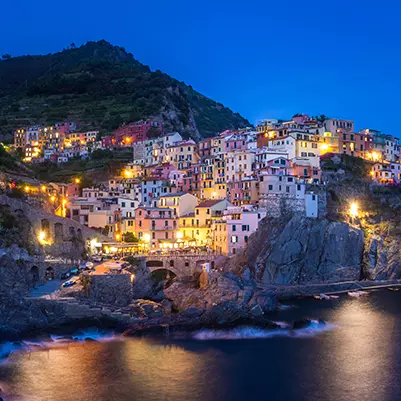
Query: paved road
48, 288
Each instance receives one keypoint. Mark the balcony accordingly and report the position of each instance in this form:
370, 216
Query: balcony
165, 228
163, 217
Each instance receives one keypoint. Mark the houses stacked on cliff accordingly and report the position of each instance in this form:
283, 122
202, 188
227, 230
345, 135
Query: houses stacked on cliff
211, 194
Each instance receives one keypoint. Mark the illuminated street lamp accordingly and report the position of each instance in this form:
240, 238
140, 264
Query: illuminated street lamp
77, 180
118, 237
43, 188
324, 148
27, 189
128, 174
353, 210
42, 238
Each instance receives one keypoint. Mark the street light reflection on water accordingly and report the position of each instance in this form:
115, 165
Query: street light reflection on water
357, 359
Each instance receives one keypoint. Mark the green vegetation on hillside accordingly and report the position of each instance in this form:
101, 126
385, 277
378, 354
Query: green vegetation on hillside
101, 87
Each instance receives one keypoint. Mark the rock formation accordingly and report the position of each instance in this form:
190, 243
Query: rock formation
300, 250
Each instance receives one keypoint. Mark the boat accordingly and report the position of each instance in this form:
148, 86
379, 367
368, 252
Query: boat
394, 289
356, 294
318, 297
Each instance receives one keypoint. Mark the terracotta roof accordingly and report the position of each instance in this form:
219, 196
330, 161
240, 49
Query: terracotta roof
210, 203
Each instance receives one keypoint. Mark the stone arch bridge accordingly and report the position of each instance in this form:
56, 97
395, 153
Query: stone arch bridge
180, 265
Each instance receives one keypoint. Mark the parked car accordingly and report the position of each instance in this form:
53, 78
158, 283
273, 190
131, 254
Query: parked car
69, 283
97, 258
66, 275
74, 271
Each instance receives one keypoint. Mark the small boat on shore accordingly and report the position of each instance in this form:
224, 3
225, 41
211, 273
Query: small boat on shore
396, 289
357, 294
325, 296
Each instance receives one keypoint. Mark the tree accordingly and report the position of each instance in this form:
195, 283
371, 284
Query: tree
153, 132
6, 56
100, 154
130, 237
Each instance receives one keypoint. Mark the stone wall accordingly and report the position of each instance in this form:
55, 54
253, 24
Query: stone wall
278, 205
113, 289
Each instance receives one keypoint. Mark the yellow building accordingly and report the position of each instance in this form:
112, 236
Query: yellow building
182, 155
198, 225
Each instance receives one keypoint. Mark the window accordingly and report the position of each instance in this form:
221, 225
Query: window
234, 227
207, 211
270, 187
153, 235
287, 189
290, 179
245, 228
234, 239
122, 204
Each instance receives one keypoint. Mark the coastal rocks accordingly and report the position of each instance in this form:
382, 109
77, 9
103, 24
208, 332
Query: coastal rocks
382, 258
192, 312
226, 300
111, 289
300, 250
144, 308
19, 315
143, 285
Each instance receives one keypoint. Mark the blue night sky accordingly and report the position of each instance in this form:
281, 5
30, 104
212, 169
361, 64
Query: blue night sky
263, 59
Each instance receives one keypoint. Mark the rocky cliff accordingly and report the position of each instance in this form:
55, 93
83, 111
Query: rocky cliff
299, 250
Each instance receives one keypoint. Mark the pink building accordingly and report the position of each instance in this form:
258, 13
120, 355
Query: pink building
108, 142
136, 132
163, 170
66, 127
236, 142
156, 226
300, 118
307, 172
205, 147
72, 190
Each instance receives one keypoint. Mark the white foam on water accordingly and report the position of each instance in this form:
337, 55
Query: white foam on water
286, 307
55, 341
250, 332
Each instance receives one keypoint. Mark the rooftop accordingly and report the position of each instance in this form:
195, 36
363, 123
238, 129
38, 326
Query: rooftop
210, 202
173, 195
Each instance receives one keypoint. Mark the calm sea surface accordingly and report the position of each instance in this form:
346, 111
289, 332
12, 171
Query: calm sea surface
357, 357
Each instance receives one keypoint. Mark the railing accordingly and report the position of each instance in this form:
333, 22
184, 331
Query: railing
163, 228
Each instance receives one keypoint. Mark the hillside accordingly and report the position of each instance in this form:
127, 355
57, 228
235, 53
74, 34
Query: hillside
101, 87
